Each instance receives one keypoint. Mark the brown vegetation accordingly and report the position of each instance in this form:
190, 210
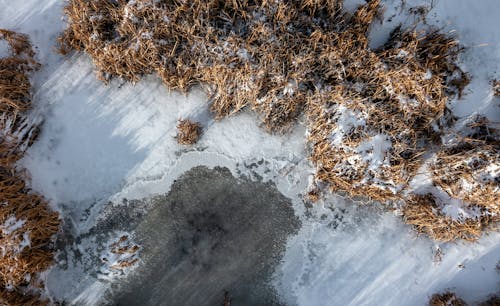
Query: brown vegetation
27, 224
424, 214
496, 88
188, 132
446, 299
466, 169
372, 114
451, 299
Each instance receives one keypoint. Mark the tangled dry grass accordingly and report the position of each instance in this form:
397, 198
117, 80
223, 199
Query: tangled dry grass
188, 132
446, 299
424, 213
496, 88
26, 222
451, 299
467, 169
371, 113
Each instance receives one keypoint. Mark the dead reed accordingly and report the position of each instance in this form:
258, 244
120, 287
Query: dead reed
27, 224
469, 168
446, 299
371, 114
496, 88
188, 132
424, 214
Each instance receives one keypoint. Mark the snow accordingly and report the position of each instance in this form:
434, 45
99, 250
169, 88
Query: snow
11, 225
104, 143
374, 151
4, 48
347, 121
10, 233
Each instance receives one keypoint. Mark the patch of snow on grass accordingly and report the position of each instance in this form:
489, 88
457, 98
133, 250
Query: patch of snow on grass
4, 48
347, 121
374, 151
11, 225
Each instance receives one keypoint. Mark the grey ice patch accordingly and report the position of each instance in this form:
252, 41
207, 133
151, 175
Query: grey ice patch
212, 233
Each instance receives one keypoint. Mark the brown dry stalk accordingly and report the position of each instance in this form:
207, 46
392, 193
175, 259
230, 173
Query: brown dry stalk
422, 212
446, 299
27, 224
496, 88
372, 114
188, 132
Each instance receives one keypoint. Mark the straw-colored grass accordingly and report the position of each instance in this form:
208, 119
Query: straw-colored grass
496, 88
423, 212
371, 114
188, 132
469, 169
446, 299
15, 95
27, 224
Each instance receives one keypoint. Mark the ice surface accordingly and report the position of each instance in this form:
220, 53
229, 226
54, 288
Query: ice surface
103, 143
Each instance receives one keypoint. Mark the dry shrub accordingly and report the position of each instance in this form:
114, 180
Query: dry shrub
446, 299
26, 222
188, 132
371, 114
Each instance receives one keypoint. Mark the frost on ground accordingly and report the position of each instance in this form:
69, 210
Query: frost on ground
105, 143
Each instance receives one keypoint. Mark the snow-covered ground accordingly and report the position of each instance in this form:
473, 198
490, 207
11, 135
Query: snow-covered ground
105, 143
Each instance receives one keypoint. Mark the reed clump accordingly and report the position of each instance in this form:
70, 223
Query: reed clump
469, 168
446, 299
424, 213
371, 114
27, 224
188, 132
496, 88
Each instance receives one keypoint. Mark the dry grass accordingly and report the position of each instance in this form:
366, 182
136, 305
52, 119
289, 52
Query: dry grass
26, 222
422, 212
496, 88
469, 169
188, 132
15, 95
371, 114
470, 172
446, 299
